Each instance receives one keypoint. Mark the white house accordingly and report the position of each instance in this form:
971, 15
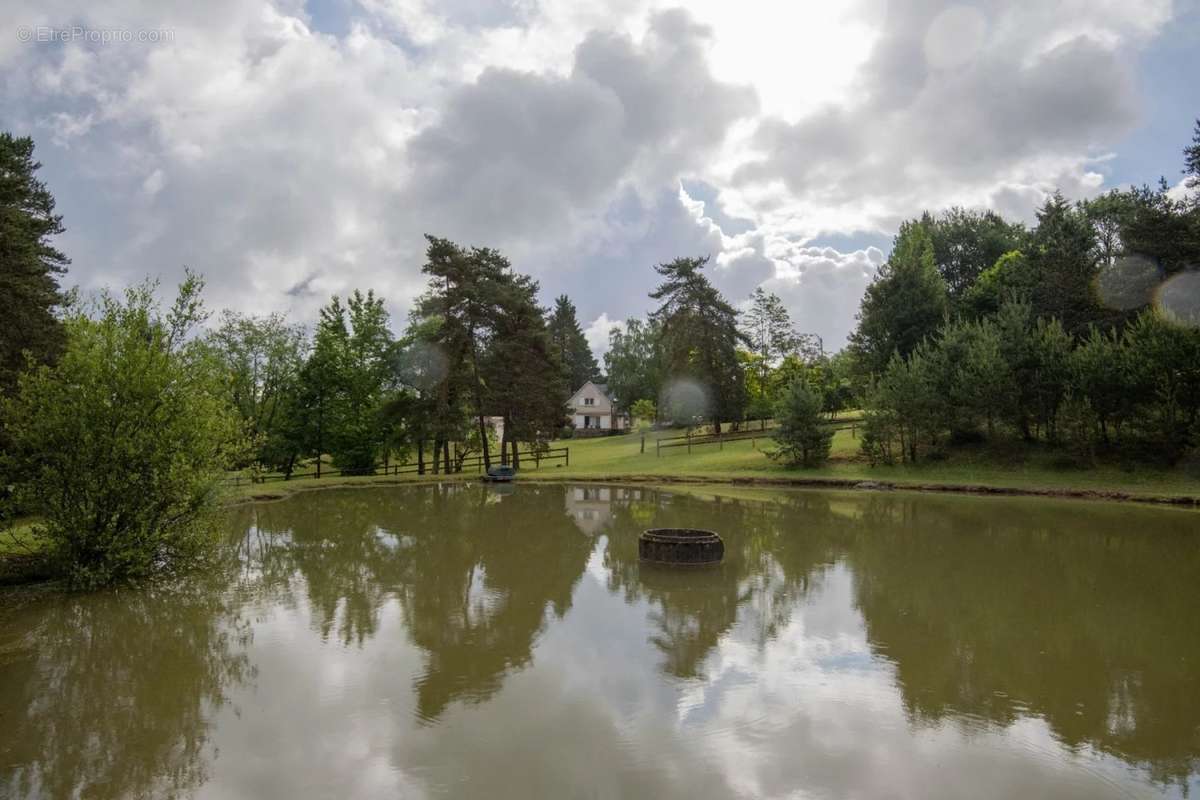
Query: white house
593, 408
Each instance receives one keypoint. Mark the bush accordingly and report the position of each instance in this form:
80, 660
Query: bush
804, 437
120, 447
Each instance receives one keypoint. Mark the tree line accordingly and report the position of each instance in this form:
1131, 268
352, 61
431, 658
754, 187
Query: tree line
1081, 333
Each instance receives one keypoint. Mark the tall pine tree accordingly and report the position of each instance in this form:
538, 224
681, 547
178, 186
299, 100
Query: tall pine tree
570, 346
700, 336
29, 265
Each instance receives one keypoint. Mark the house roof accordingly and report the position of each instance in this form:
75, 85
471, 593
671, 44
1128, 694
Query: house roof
603, 387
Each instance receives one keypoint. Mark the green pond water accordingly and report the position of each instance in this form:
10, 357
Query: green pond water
504, 642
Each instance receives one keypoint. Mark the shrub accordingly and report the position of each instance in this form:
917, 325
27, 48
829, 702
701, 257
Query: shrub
803, 435
120, 447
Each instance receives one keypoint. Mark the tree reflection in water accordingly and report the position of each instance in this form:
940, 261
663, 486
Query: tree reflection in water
975, 613
475, 573
110, 695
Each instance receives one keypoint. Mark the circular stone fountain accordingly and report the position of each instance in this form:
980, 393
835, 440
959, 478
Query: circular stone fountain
680, 546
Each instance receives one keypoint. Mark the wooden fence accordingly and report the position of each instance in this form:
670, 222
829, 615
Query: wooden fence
738, 436
556, 456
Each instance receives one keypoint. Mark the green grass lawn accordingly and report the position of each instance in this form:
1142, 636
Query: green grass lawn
1019, 467
1015, 466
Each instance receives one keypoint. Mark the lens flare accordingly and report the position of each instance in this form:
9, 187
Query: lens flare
426, 365
1178, 298
1127, 283
684, 401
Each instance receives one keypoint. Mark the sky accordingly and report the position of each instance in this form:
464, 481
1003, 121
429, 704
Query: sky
289, 151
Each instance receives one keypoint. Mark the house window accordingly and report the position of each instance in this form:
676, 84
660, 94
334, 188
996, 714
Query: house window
589, 401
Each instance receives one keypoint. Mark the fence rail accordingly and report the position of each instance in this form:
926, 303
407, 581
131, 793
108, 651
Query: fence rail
557, 456
737, 436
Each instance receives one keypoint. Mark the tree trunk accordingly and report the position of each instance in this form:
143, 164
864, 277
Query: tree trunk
516, 456
420, 456
504, 442
437, 454
483, 442
478, 394
446, 456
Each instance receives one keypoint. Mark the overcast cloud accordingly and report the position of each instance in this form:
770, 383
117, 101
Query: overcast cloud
290, 151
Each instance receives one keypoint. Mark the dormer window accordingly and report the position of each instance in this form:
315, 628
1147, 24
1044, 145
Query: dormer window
589, 401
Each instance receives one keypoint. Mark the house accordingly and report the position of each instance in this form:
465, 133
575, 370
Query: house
595, 412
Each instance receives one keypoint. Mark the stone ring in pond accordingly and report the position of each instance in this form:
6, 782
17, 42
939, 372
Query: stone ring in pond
680, 546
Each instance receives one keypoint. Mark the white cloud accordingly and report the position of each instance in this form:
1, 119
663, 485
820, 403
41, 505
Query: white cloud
597, 334
287, 163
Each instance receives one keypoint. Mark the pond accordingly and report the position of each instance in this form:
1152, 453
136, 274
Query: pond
504, 642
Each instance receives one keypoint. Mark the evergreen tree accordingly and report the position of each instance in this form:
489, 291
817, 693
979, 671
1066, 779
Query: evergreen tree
700, 336
803, 436
524, 386
1191, 159
464, 294
904, 304
570, 346
1062, 262
29, 264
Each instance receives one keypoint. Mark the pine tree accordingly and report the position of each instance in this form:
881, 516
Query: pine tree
29, 265
1191, 159
570, 346
524, 387
700, 336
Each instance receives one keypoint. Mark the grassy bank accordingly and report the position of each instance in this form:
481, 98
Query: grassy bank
1016, 468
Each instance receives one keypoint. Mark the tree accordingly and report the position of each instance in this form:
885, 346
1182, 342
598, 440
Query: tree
767, 325
120, 447
633, 360
1062, 261
644, 410
570, 346
970, 376
29, 265
903, 409
1191, 159
464, 294
904, 304
1101, 372
520, 371
1165, 362
262, 359
1159, 228
1009, 278
700, 336
343, 384
965, 243
803, 436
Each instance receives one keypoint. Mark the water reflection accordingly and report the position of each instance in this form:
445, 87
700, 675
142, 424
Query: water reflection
457, 641
475, 572
109, 695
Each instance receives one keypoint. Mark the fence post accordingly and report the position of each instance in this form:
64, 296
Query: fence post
568, 455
